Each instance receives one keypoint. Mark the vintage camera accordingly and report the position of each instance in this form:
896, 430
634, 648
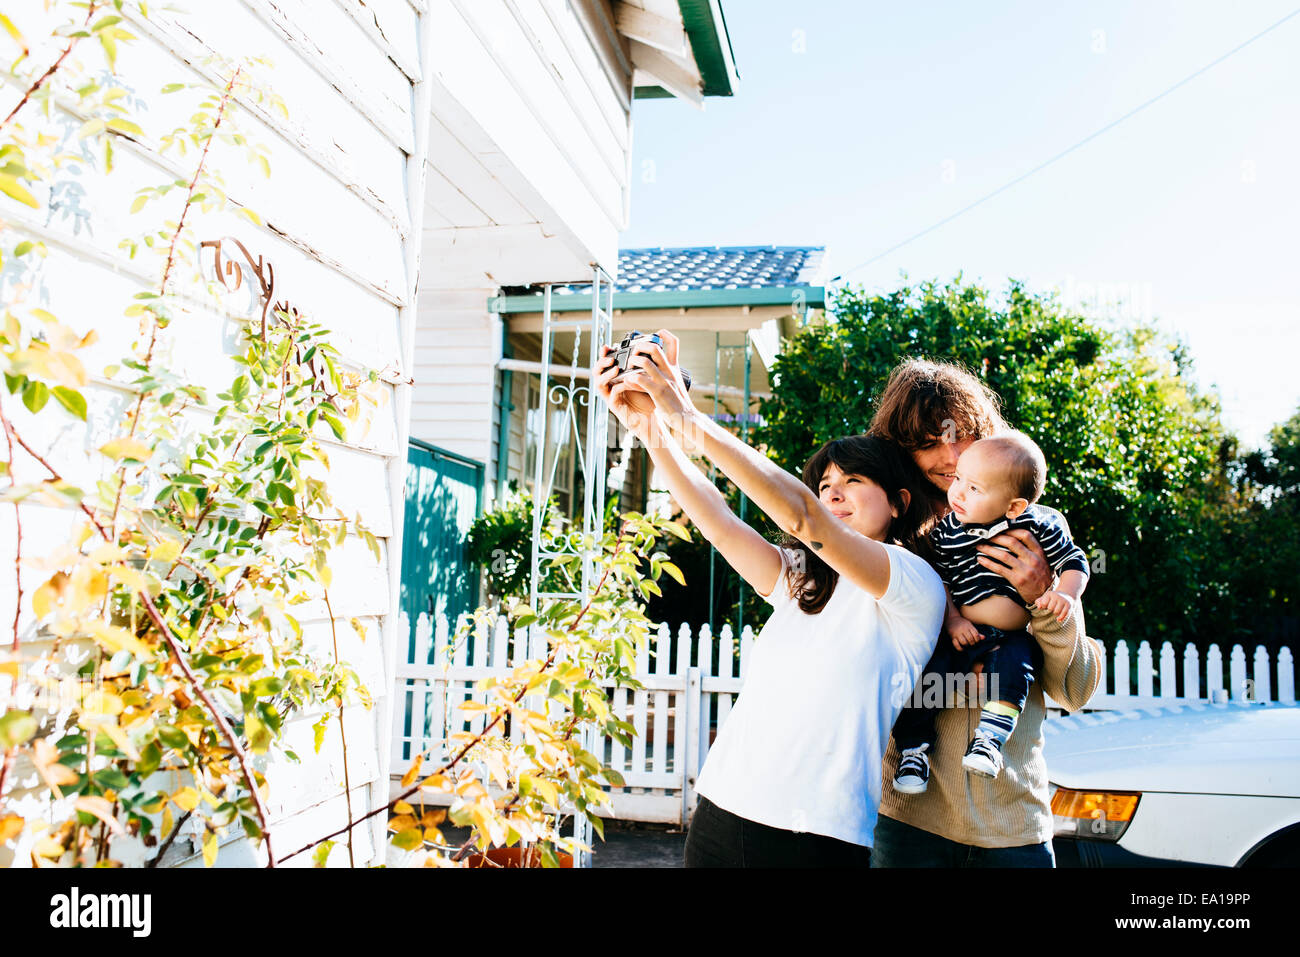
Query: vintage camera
624, 352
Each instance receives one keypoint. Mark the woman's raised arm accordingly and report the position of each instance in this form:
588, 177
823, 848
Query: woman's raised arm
786, 500
757, 560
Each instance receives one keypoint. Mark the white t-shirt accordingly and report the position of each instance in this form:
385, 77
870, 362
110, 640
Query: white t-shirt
803, 746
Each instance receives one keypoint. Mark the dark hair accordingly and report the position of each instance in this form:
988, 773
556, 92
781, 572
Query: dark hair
884, 463
924, 399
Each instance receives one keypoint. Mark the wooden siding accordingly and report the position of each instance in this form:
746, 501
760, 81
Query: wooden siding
531, 154
457, 344
339, 229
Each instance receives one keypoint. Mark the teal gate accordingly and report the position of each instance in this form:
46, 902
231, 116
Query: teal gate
444, 494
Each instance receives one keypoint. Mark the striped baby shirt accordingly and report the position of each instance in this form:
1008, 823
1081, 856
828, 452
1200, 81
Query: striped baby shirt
969, 581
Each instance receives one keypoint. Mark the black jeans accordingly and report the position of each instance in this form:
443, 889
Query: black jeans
901, 845
718, 838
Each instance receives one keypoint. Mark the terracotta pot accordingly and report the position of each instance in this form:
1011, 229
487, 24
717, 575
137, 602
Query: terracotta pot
513, 857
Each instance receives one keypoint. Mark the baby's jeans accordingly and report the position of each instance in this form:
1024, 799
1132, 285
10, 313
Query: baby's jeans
1010, 661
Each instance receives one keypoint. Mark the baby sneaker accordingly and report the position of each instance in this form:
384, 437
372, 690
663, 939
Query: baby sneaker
984, 755
913, 772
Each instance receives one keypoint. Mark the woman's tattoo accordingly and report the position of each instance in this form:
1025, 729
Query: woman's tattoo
816, 545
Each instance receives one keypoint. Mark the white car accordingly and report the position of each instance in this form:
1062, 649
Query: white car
1196, 784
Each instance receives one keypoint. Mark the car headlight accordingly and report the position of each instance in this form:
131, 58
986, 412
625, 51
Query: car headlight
1092, 815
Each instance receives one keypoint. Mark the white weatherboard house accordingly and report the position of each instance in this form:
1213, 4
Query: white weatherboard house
436, 152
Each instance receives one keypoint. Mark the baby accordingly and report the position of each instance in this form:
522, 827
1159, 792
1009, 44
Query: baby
998, 481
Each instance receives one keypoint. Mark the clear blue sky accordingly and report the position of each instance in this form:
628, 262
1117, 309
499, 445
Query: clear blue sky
857, 125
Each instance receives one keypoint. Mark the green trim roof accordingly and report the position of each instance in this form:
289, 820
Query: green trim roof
811, 297
706, 27
693, 277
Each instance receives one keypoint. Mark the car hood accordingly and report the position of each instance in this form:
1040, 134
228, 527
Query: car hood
1199, 748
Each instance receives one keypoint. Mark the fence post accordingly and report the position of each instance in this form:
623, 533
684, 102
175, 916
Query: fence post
1146, 671
1168, 671
1263, 681
1101, 663
704, 663
1237, 672
1214, 675
746, 643
690, 766
684, 734
499, 639
1285, 676
401, 707
1191, 671
1121, 669
423, 721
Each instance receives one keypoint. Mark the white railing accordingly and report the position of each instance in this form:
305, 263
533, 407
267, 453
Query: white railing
689, 685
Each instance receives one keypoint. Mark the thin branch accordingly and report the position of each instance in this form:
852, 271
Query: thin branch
166, 845
40, 81
347, 786
162, 286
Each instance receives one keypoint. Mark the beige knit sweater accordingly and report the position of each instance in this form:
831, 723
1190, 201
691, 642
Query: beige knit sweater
1012, 809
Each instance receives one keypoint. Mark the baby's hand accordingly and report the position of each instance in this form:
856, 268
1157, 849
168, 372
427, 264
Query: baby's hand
1058, 604
962, 631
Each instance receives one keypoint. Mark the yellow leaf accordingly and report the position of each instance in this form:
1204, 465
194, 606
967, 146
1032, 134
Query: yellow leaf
413, 772
121, 740
11, 825
129, 577
436, 781
107, 554
209, 848
126, 449
45, 597
167, 551
548, 791
403, 822
187, 799
433, 818
115, 638
47, 847
46, 758
102, 702
401, 807
168, 819
10, 186
102, 808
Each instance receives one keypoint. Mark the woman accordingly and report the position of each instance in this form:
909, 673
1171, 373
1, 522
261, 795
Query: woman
793, 778
935, 411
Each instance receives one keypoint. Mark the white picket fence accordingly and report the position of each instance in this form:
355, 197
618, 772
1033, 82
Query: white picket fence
689, 686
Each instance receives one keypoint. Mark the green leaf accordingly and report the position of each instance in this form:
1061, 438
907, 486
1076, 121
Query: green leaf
16, 727
23, 248
36, 395
72, 400
322, 853
409, 839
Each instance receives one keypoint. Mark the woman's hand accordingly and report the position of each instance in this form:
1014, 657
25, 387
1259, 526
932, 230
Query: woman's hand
654, 369
1020, 560
630, 405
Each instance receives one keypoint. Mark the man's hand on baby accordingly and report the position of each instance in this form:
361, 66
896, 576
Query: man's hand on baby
1062, 606
962, 631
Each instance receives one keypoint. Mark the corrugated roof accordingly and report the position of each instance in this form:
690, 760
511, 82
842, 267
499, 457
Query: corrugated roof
693, 268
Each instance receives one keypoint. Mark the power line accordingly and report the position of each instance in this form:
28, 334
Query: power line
1067, 151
